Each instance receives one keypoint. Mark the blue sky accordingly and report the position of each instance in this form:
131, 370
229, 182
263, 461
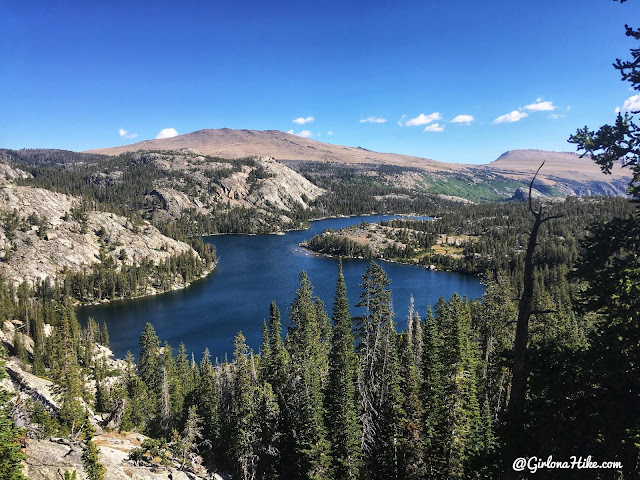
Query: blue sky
76, 75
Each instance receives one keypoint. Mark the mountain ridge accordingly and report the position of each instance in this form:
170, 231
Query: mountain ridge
231, 143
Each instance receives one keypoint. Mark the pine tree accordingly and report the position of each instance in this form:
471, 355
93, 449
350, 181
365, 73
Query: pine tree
65, 369
181, 382
278, 358
493, 322
191, 436
10, 456
38, 346
149, 363
341, 415
459, 361
276, 375
90, 462
141, 403
309, 359
206, 399
269, 420
434, 425
411, 448
265, 351
164, 410
378, 376
104, 335
244, 420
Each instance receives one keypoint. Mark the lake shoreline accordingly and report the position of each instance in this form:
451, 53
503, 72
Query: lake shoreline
252, 271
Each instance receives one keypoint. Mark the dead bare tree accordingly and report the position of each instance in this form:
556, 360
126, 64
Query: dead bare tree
520, 372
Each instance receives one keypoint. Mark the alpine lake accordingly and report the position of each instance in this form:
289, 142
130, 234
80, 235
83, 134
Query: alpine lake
252, 271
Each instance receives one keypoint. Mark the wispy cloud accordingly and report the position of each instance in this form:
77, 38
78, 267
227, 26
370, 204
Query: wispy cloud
540, 106
556, 116
436, 127
510, 117
303, 133
303, 120
631, 104
373, 120
401, 120
125, 134
167, 133
329, 132
423, 119
463, 119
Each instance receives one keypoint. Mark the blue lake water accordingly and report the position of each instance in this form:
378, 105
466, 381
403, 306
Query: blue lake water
252, 271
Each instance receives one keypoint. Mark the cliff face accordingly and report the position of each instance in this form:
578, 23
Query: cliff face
261, 183
45, 233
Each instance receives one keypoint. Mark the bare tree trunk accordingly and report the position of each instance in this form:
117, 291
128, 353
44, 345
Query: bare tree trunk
115, 418
520, 371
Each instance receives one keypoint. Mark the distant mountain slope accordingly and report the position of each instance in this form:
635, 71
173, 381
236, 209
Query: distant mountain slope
228, 143
557, 164
575, 174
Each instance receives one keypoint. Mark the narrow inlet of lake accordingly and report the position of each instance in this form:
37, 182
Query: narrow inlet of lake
252, 271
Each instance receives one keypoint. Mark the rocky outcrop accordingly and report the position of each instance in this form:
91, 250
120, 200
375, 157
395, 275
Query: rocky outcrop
200, 183
8, 172
48, 460
522, 195
29, 386
46, 233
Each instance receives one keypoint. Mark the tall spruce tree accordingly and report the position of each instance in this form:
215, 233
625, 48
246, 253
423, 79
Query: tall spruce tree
276, 375
459, 361
309, 362
66, 370
378, 377
435, 438
206, 399
269, 434
244, 434
341, 414
182, 383
149, 364
411, 447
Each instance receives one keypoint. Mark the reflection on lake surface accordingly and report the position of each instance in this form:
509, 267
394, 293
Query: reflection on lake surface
252, 271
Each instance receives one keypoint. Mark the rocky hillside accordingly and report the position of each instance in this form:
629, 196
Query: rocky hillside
566, 173
258, 182
48, 458
45, 234
563, 174
251, 194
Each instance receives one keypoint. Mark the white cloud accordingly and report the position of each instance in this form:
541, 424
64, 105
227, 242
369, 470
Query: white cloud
401, 119
303, 120
126, 134
556, 116
436, 127
540, 106
167, 133
329, 132
423, 119
373, 120
510, 117
303, 133
463, 119
631, 104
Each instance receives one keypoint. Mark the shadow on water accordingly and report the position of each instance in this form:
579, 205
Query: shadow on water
252, 271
